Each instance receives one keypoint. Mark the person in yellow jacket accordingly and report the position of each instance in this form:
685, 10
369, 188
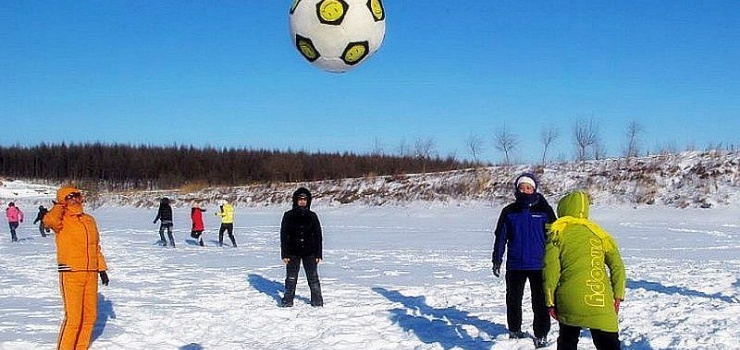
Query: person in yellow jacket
79, 261
226, 212
579, 291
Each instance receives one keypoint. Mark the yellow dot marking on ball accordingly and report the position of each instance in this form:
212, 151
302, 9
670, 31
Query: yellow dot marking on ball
331, 10
355, 53
307, 50
377, 9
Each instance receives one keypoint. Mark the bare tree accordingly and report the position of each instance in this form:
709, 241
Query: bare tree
585, 135
377, 147
599, 151
633, 146
424, 148
505, 141
403, 149
475, 146
548, 137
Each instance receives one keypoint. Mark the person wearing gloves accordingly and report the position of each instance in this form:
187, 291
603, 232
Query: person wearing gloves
578, 290
226, 212
15, 218
521, 232
301, 241
164, 216
79, 262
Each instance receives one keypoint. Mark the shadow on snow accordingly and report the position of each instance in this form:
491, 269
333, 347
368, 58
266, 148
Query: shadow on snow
105, 312
273, 289
657, 287
191, 346
448, 327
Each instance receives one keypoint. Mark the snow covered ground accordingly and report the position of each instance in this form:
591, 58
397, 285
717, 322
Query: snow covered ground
411, 277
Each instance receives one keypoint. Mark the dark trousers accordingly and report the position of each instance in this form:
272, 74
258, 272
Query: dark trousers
229, 228
312, 275
42, 230
197, 235
568, 339
167, 227
515, 281
13, 226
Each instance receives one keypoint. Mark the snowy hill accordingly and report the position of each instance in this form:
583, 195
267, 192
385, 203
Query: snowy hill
690, 179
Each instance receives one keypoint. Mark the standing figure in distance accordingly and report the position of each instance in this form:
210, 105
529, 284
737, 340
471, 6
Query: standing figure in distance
196, 215
40, 220
164, 216
578, 291
226, 212
15, 217
301, 241
521, 232
79, 261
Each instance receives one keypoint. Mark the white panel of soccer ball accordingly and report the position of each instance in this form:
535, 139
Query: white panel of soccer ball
337, 35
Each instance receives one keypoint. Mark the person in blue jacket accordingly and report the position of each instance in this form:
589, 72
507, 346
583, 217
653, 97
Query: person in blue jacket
521, 232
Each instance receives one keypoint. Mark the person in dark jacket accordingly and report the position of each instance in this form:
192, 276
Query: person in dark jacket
521, 230
164, 216
40, 220
301, 241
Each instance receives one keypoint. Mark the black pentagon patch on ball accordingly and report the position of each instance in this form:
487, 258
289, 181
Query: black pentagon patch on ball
293, 7
355, 52
376, 8
331, 12
306, 48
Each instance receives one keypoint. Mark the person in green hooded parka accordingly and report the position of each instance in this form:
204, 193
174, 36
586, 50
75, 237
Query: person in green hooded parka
578, 290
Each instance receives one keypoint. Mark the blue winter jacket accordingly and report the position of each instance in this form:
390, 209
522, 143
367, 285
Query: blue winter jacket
521, 231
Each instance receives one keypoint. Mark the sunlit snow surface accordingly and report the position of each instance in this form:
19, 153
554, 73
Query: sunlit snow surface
410, 277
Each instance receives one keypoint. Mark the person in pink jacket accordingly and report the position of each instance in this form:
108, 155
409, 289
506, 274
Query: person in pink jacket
15, 217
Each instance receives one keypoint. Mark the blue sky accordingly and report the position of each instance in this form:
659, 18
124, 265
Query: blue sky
225, 74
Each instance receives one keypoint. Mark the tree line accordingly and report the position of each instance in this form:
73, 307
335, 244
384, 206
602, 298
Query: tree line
126, 167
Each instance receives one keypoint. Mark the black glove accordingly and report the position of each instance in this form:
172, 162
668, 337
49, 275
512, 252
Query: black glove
104, 278
496, 269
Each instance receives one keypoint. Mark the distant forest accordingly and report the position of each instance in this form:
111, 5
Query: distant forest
127, 167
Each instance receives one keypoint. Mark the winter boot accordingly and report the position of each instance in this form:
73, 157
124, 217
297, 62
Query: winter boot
290, 284
540, 342
517, 335
316, 298
200, 242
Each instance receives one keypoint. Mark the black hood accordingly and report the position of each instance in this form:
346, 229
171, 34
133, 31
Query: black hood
297, 193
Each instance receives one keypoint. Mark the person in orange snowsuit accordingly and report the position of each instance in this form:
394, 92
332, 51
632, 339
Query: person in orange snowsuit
80, 261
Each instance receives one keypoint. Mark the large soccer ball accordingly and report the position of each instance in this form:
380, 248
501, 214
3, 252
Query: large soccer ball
337, 35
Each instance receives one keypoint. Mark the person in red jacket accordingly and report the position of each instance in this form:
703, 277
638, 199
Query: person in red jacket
196, 214
79, 261
15, 216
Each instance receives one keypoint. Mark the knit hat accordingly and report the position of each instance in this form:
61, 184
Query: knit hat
526, 180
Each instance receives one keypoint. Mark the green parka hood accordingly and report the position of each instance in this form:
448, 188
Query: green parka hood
575, 204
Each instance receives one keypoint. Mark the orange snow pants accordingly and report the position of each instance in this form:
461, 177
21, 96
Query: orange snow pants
80, 295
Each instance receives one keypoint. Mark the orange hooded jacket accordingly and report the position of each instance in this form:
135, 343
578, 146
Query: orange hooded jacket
77, 238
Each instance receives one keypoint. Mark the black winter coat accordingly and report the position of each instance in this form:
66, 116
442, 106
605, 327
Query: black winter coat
165, 212
300, 231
